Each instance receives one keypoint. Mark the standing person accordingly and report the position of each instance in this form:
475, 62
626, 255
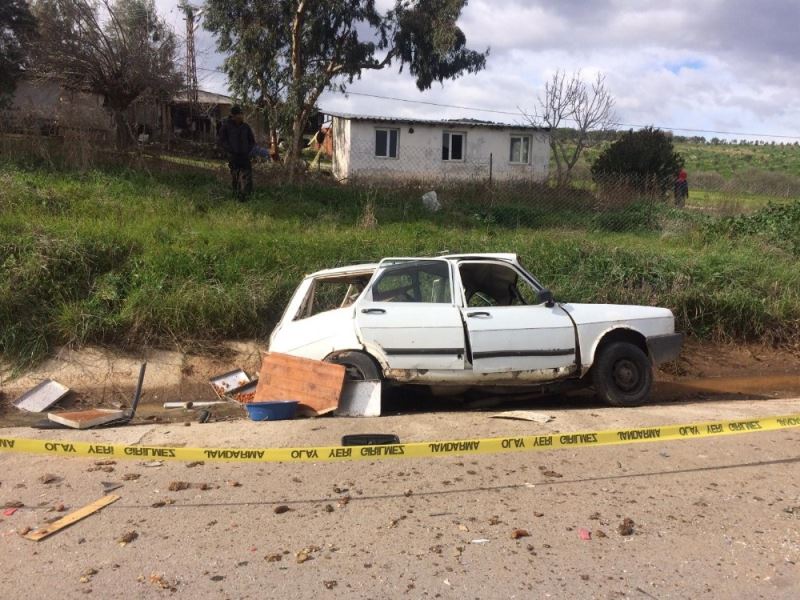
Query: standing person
681, 189
237, 139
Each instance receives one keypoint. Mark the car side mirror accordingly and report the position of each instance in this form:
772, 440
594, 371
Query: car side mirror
546, 296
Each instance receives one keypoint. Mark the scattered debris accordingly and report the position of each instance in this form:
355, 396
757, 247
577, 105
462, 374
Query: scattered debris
43, 396
305, 554
480, 541
153, 463
626, 527
370, 439
494, 520
599, 533
344, 500
103, 468
87, 575
9, 511
227, 382
195, 463
281, 508
164, 502
22, 531
315, 384
329, 585
462, 527
127, 537
519, 533
360, 399
160, 581
13, 504
584, 534
177, 486
550, 473
49, 478
430, 200
276, 557
110, 486
524, 415
538, 514
233, 483
595, 516
189, 405
792, 510
131, 476
86, 419
71, 518
328, 508
217, 577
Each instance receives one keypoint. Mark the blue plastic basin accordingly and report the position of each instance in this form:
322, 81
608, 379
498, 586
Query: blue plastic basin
272, 411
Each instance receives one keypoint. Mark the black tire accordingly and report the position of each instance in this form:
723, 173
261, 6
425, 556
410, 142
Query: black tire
622, 375
360, 366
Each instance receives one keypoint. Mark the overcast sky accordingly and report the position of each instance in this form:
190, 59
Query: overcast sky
731, 65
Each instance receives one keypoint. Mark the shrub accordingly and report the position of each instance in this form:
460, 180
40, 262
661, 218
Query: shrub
645, 159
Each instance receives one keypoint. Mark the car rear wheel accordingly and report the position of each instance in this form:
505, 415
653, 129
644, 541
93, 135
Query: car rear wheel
360, 366
623, 375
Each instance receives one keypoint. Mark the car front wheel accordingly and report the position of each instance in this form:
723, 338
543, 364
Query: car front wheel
623, 375
360, 366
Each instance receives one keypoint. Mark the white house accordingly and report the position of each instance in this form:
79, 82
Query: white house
450, 149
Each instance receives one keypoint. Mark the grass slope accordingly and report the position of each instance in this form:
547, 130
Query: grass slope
126, 257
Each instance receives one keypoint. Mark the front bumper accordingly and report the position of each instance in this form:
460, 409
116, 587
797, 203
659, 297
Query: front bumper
664, 348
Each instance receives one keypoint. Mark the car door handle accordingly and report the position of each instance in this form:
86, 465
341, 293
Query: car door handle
479, 314
373, 311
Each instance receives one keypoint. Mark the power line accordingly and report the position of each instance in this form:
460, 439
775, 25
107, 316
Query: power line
519, 113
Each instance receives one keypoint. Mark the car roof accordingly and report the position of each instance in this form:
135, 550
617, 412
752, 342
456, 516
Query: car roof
359, 268
367, 267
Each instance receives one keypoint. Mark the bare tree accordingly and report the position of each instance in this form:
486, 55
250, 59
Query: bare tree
119, 49
572, 108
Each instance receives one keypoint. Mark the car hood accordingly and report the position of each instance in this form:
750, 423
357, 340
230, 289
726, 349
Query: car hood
584, 314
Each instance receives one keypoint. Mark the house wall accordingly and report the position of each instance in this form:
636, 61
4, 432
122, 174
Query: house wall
47, 107
420, 152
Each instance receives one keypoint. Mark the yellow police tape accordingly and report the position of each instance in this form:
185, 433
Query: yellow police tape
410, 450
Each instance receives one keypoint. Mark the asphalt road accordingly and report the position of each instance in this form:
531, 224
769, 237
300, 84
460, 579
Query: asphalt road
714, 517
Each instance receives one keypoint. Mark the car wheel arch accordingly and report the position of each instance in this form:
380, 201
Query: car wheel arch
341, 357
618, 334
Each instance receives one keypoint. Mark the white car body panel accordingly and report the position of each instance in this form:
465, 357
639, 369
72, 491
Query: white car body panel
519, 338
595, 320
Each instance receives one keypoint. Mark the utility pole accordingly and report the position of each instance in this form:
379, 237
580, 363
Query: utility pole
191, 14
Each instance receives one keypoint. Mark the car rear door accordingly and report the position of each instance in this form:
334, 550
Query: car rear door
506, 334
408, 317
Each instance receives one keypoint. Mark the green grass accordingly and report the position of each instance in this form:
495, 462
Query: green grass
164, 257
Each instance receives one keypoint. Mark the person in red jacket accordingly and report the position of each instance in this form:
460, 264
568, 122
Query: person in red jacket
681, 189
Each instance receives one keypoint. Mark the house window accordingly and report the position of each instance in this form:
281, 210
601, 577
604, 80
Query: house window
386, 143
453, 145
520, 149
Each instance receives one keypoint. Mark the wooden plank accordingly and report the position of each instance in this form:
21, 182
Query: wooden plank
84, 419
314, 384
73, 517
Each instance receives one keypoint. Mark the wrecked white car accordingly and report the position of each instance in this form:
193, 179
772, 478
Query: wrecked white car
472, 320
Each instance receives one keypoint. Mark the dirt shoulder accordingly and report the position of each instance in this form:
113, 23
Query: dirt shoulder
714, 517
107, 378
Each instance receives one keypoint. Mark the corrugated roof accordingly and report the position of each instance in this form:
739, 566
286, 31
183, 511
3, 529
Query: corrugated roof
204, 97
438, 122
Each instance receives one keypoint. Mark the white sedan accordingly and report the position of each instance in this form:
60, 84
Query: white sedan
472, 320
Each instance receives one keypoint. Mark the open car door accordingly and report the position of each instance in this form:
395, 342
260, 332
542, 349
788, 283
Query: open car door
408, 317
508, 329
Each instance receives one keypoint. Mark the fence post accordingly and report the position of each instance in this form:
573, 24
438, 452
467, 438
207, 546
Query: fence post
491, 164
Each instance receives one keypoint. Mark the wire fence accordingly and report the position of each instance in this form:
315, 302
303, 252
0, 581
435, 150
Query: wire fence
507, 189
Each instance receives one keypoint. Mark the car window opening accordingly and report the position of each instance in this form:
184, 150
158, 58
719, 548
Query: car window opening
490, 284
427, 282
331, 294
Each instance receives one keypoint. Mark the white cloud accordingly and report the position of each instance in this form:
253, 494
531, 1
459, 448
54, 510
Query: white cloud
744, 57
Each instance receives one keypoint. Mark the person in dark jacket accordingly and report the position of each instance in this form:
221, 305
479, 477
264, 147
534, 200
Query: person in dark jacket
237, 139
681, 189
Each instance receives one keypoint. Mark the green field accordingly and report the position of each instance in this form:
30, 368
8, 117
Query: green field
164, 257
